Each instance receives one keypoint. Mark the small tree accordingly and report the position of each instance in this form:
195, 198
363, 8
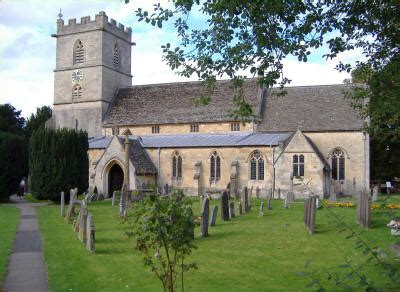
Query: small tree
163, 230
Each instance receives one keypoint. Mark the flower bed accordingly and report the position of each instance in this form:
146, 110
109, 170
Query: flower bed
340, 204
385, 207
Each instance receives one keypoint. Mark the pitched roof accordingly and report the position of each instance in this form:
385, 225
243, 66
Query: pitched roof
310, 108
175, 103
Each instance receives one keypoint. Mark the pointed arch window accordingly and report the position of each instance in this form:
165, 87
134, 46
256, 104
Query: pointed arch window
116, 55
256, 166
176, 166
76, 91
215, 166
298, 165
338, 164
79, 52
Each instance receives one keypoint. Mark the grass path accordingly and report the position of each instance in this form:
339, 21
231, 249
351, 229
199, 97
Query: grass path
9, 219
247, 253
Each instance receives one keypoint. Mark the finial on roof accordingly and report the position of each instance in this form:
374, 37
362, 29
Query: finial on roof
60, 15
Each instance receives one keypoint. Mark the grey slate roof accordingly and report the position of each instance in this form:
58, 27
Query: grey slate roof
201, 140
174, 103
310, 108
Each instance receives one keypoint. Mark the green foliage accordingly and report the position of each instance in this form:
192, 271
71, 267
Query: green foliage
37, 120
14, 163
163, 230
58, 162
256, 36
11, 120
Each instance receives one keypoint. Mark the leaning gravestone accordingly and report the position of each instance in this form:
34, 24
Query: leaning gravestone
205, 213
113, 198
90, 233
231, 210
375, 191
214, 214
240, 208
290, 197
82, 224
245, 200
224, 206
62, 206
261, 212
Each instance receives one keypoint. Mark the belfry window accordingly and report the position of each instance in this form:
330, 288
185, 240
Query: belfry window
176, 166
298, 165
215, 166
256, 166
338, 164
116, 55
79, 53
76, 91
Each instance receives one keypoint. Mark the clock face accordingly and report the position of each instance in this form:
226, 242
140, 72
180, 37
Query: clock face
77, 76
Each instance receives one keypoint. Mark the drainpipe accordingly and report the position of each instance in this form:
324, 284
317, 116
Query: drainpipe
158, 166
273, 172
126, 170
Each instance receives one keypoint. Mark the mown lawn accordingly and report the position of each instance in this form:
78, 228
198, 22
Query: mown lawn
9, 220
247, 253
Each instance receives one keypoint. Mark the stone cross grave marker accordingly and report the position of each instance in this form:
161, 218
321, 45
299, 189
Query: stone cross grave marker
62, 204
261, 212
231, 210
90, 232
113, 198
224, 206
240, 208
205, 213
214, 214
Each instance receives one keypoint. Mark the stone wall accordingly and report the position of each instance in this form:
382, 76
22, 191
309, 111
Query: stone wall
208, 128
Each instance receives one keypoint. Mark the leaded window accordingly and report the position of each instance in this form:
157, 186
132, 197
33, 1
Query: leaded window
79, 53
338, 165
155, 129
298, 165
194, 127
256, 166
235, 126
215, 166
176, 166
76, 91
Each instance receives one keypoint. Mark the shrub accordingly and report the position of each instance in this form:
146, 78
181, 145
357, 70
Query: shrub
13, 166
58, 161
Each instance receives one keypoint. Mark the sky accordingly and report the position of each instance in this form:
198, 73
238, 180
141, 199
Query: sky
28, 50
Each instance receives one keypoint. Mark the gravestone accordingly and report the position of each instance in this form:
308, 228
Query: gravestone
225, 206
309, 213
205, 213
290, 197
231, 210
71, 206
62, 205
261, 212
364, 209
245, 200
240, 208
270, 202
286, 203
214, 214
279, 193
166, 189
113, 198
90, 233
82, 224
375, 191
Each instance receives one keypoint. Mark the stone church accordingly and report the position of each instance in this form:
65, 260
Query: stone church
310, 139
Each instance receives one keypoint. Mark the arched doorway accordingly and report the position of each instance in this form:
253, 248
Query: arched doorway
115, 179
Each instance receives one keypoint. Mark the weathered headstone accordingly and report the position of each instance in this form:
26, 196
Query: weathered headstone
71, 206
309, 213
240, 208
82, 224
270, 202
90, 233
62, 205
166, 189
364, 209
205, 213
245, 200
224, 206
290, 197
113, 198
375, 191
261, 212
214, 214
100, 197
231, 210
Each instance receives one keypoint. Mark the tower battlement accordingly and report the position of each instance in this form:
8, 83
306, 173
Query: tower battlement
99, 23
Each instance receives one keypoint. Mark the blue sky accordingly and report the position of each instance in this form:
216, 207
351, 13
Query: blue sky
28, 50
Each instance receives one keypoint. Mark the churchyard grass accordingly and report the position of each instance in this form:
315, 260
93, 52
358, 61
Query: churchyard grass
28, 197
9, 218
248, 253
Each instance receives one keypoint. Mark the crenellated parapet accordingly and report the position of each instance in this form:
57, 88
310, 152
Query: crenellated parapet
100, 22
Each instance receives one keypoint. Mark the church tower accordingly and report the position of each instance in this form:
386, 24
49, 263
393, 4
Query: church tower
93, 60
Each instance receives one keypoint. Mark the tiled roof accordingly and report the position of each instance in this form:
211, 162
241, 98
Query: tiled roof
310, 108
175, 103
